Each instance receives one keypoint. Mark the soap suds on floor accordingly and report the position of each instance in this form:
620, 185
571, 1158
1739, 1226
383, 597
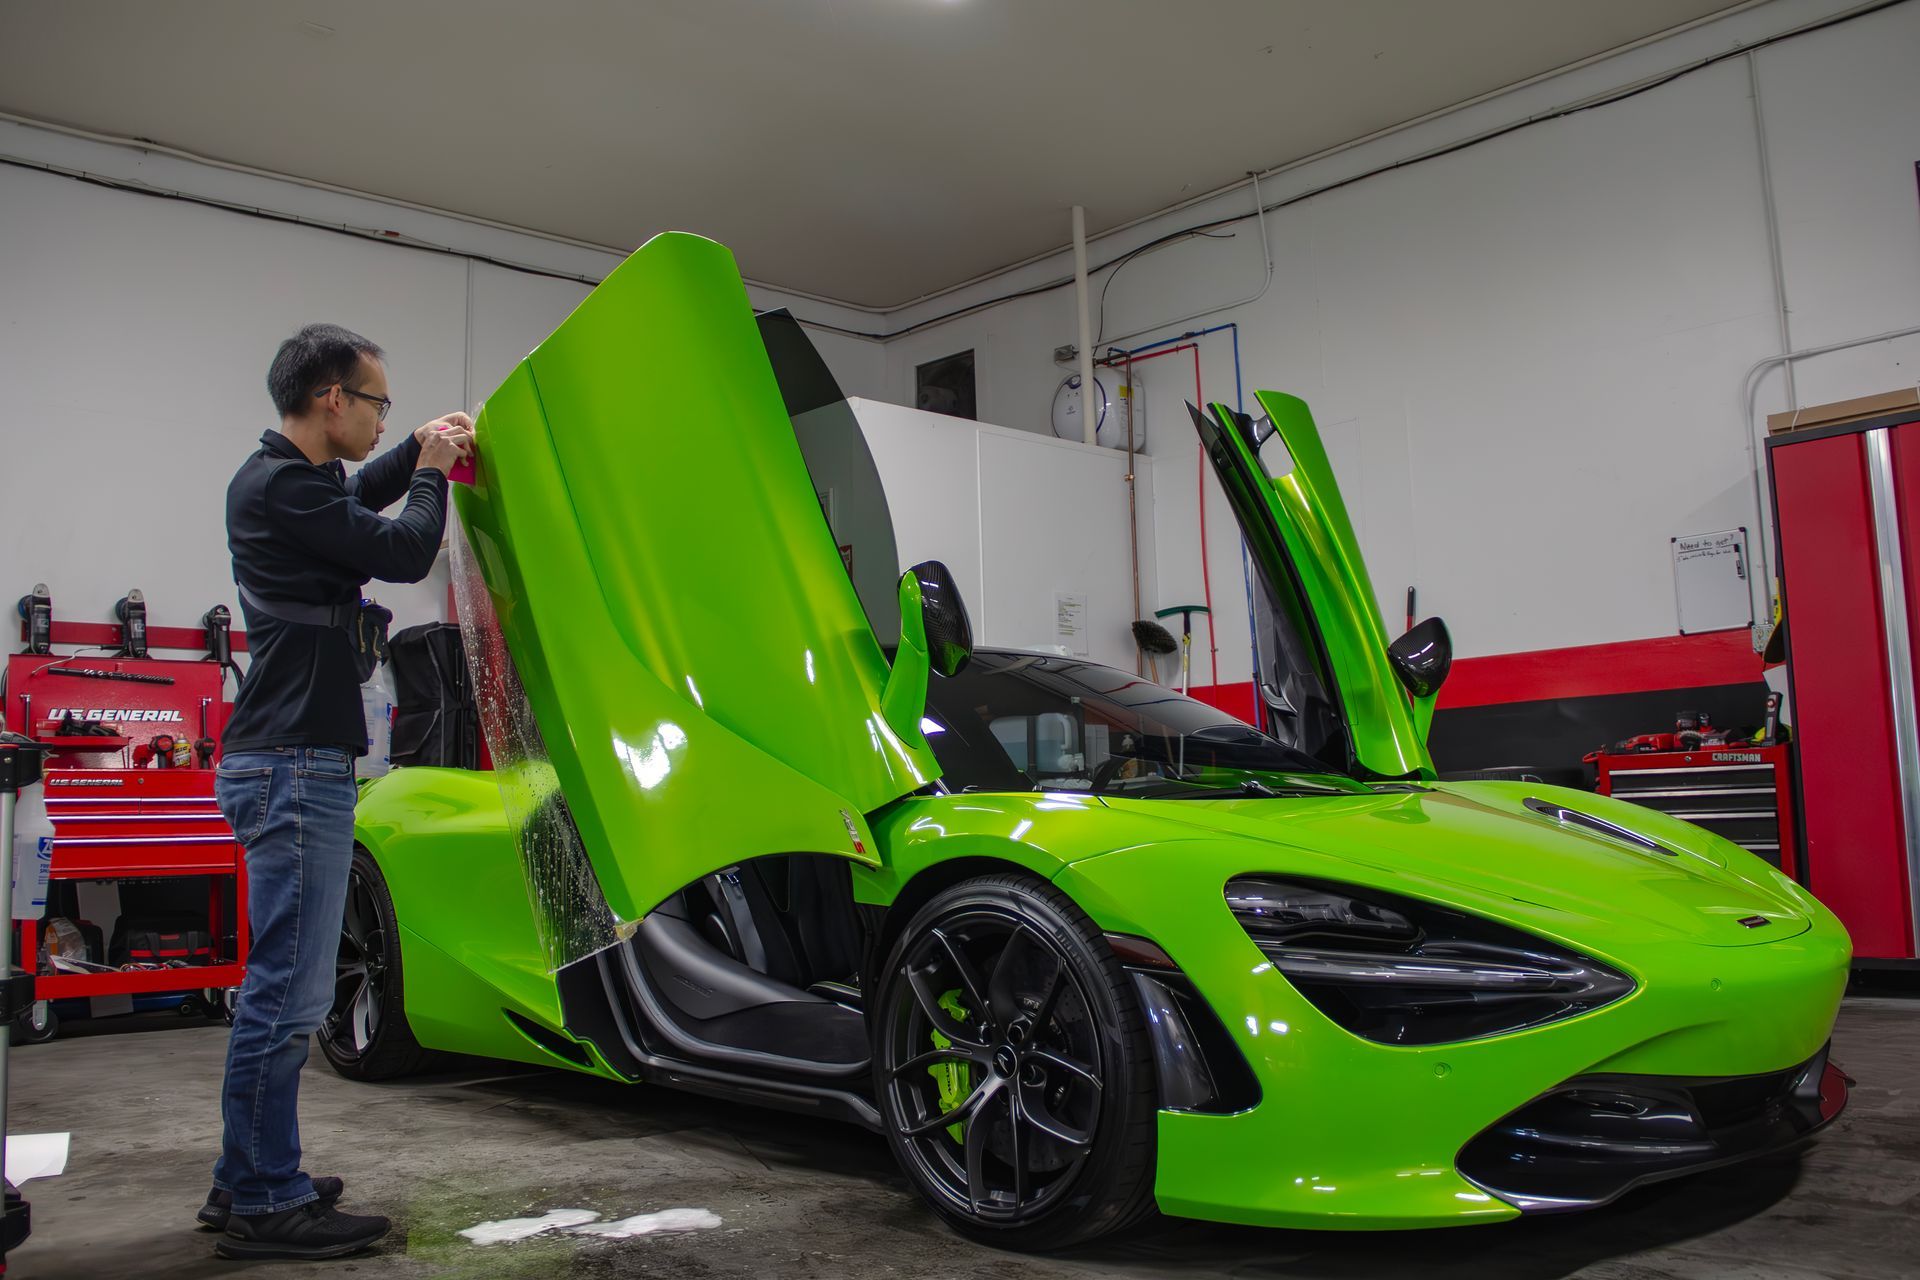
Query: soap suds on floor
520, 1228
584, 1222
643, 1224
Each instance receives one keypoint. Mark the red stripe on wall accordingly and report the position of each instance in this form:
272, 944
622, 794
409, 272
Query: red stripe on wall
1584, 671
1592, 670
1234, 699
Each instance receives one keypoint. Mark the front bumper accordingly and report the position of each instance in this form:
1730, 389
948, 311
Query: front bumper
1595, 1138
1353, 1134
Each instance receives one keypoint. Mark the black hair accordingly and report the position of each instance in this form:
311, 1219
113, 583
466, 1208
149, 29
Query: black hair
318, 356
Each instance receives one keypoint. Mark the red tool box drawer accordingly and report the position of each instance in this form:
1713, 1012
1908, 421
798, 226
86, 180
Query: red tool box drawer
108, 790
117, 822
109, 857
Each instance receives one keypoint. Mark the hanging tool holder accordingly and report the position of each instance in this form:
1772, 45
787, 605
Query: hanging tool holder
128, 787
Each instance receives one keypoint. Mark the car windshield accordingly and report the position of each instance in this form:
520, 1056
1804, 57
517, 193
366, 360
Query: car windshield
1024, 722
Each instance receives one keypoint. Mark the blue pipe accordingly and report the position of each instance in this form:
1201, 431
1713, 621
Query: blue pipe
1194, 333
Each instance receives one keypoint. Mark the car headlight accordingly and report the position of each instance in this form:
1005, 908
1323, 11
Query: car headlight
1402, 971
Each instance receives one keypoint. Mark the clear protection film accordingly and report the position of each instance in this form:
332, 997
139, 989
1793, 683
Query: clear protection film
569, 908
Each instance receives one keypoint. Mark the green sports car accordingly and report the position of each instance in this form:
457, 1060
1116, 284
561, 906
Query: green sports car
761, 824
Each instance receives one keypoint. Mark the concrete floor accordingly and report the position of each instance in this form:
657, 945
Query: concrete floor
801, 1197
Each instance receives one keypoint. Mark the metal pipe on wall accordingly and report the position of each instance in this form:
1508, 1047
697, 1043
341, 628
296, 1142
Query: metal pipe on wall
1133, 516
1771, 209
1089, 415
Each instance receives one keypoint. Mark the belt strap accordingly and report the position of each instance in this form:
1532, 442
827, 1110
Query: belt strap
313, 615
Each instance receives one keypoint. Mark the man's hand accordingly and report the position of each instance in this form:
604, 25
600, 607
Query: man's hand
444, 441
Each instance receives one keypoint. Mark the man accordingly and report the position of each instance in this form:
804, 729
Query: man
305, 538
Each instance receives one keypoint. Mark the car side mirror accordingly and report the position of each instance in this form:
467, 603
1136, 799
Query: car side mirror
935, 635
1422, 657
944, 615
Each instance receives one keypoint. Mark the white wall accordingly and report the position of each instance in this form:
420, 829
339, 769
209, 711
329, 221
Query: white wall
138, 334
1526, 356
1842, 111
135, 335
1018, 518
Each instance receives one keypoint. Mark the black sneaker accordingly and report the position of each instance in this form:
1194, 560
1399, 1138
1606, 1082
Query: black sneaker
311, 1231
220, 1203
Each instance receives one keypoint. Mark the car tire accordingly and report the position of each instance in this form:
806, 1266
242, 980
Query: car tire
1002, 1007
365, 1035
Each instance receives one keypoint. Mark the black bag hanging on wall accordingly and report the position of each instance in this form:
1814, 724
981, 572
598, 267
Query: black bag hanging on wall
434, 718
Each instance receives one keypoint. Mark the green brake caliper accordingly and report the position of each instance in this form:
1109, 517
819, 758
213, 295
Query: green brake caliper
954, 1079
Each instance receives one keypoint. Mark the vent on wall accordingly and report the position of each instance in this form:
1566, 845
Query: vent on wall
946, 386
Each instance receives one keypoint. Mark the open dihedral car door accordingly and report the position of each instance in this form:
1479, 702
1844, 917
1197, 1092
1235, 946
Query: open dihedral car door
693, 650
1325, 679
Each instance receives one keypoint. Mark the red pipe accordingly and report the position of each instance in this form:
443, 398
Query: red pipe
1189, 346
1206, 574
1133, 518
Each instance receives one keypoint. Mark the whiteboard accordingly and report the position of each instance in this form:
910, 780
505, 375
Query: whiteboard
1712, 590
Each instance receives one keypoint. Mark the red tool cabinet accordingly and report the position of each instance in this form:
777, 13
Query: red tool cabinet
113, 824
1846, 502
114, 821
1741, 792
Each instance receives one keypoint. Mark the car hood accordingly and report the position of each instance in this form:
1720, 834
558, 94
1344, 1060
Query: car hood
1463, 841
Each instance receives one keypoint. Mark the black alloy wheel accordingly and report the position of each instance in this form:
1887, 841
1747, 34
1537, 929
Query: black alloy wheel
365, 1035
1012, 1067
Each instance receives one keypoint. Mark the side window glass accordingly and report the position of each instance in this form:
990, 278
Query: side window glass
1057, 749
852, 501
1011, 733
1057, 746
1045, 746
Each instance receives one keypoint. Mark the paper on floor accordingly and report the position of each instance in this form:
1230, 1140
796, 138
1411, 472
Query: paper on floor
35, 1155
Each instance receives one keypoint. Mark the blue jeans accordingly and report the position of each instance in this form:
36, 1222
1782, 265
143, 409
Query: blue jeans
292, 808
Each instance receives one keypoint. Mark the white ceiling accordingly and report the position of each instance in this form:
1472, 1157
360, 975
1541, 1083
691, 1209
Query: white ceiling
868, 150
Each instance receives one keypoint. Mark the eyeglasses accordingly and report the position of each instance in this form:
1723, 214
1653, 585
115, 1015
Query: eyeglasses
381, 403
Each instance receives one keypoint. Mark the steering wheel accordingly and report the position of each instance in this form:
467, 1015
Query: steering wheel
1109, 769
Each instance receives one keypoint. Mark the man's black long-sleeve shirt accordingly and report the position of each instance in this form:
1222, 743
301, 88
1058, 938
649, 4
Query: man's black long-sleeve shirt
313, 534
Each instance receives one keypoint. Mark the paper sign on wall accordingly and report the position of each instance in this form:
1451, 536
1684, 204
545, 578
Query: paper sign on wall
1070, 621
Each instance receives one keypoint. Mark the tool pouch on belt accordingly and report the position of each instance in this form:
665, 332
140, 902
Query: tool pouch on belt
365, 623
369, 635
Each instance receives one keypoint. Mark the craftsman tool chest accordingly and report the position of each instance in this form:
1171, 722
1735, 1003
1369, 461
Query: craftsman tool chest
1743, 793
